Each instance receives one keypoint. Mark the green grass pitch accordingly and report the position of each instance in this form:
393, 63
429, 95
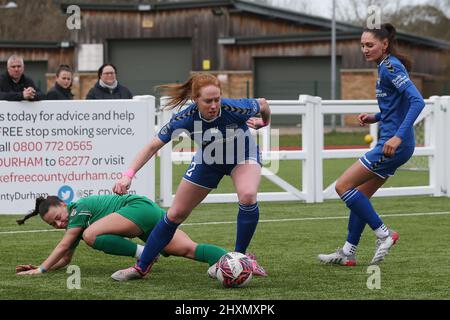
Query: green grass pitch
286, 243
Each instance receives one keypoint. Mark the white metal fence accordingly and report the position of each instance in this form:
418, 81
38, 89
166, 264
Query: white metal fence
432, 116
312, 154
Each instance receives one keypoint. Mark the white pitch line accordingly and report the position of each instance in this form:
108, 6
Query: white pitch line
30, 231
265, 221
324, 218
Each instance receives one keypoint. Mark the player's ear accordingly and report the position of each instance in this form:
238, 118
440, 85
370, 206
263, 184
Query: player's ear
385, 45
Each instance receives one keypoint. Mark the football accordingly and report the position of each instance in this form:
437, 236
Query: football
368, 138
234, 270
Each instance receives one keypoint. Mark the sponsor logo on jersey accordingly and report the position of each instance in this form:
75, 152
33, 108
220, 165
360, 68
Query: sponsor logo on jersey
400, 80
165, 129
380, 93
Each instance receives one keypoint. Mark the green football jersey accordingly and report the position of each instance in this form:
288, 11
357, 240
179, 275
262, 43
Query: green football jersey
86, 211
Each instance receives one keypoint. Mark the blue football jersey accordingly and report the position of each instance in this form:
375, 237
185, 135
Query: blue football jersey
393, 80
233, 115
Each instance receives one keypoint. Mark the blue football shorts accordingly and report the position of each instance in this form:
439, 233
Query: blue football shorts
209, 175
383, 166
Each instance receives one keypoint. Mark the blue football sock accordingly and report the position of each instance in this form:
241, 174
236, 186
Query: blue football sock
355, 228
157, 241
359, 204
247, 220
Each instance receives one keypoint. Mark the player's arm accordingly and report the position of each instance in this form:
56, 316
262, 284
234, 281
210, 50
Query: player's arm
416, 104
62, 249
367, 118
139, 161
264, 110
146, 153
64, 261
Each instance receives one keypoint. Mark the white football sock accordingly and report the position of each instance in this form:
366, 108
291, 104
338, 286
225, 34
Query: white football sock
349, 248
382, 232
139, 251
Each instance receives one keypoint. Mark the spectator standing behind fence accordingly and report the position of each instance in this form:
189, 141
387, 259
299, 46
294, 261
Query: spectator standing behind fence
15, 86
62, 88
107, 86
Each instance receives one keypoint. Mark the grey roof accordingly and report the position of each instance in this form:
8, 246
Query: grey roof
237, 5
326, 36
344, 30
293, 16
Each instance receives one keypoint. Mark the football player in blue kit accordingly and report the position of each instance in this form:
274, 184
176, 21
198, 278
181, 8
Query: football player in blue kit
220, 128
400, 104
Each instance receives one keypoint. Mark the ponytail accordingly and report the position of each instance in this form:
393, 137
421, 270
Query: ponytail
179, 94
41, 207
388, 31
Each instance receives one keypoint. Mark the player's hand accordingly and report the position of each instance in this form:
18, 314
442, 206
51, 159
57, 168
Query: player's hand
256, 123
391, 146
25, 267
366, 118
122, 185
29, 272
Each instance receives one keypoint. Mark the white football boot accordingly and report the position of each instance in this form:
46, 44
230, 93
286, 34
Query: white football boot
383, 245
338, 257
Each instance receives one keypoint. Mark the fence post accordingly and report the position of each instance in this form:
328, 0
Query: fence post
434, 129
151, 115
165, 162
445, 107
309, 145
373, 130
319, 142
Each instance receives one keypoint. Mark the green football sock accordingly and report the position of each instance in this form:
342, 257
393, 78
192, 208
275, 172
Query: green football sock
208, 253
116, 245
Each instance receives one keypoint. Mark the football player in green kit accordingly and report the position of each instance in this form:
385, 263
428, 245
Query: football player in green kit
104, 223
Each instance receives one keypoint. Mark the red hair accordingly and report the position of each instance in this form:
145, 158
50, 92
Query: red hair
179, 94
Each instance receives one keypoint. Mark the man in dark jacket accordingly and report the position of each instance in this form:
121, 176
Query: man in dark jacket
107, 86
15, 86
61, 89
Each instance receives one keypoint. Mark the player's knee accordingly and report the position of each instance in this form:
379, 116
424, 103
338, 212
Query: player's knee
247, 198
181, 252
188, 252
177, 216
341, 187
89, 237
